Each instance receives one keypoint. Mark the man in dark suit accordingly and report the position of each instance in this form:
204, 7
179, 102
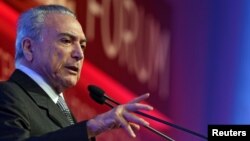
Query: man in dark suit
50, 48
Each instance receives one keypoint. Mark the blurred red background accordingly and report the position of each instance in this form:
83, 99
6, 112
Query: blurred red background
192, 56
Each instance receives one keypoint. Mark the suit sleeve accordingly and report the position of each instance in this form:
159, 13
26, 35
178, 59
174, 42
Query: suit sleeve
15, 126
77, 132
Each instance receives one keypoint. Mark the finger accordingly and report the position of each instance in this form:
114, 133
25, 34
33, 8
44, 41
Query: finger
140, 98
137, 106
126, 125
134, 126
135, 119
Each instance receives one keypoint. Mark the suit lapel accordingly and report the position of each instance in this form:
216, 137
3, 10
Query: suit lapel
53, 110
40, 97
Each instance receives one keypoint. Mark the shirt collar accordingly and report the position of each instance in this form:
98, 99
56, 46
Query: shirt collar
40, 81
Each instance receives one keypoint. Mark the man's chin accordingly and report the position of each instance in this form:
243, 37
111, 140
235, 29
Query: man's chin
70, 83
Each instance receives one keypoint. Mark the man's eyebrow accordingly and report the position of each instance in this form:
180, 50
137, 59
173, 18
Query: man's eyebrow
72, 36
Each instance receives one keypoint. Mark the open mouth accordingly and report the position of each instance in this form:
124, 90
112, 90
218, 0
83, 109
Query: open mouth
73, 68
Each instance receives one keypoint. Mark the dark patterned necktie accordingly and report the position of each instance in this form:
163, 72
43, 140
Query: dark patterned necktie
63, 106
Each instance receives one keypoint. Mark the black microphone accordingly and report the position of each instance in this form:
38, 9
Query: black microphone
99, 96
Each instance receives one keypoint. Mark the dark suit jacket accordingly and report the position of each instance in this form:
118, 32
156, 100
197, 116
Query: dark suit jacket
27, 113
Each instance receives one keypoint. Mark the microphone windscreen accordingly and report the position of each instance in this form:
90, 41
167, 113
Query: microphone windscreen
97, 94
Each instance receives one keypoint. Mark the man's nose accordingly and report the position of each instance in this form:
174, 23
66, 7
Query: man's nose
77, 52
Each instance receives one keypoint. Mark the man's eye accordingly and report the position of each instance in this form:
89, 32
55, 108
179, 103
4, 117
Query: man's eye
65, 41
83, 47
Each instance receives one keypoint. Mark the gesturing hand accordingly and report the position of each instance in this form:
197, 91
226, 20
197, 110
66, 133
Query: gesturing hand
121, 116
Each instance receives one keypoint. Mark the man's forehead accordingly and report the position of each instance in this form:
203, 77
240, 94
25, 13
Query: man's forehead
64, 25
61, 20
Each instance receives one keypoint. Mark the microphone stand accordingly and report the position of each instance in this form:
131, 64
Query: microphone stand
99, 96
148, 127
159, 120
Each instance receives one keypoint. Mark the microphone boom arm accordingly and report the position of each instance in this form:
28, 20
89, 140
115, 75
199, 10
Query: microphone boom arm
148, 127
160, 120
99, 96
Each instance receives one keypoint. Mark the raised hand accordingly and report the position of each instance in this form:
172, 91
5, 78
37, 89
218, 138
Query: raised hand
121, 116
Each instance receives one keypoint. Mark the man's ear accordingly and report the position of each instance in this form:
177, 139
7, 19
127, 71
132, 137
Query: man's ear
28, 49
